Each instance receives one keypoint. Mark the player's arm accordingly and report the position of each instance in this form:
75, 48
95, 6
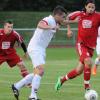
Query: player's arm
21, 42
69, 31
72, 18
24, 47
44, 25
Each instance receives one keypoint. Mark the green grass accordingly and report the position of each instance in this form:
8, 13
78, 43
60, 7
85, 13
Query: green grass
59, 61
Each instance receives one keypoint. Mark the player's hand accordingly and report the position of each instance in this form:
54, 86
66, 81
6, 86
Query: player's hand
69, 34
65, 22
26, 56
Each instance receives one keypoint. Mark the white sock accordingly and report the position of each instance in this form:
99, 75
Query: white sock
25, 81
35, 85
97, 61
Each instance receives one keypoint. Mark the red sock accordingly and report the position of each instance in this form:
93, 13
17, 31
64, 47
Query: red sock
87, 75
24, 72
70, 75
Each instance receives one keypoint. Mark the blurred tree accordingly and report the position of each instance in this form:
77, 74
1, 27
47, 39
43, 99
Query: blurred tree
42, 5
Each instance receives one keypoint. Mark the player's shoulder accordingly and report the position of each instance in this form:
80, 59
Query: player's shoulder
48, 18
1, 29
15, 33
75, 13
97, 13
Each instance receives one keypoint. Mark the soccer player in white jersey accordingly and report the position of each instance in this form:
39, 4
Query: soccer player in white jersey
97, 60
44, 32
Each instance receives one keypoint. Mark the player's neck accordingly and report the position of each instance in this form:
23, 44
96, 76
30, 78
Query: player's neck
6, 33
56, 19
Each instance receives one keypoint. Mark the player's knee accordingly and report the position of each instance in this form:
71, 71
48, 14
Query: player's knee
39, 71
21, 65
79, 71
88, 62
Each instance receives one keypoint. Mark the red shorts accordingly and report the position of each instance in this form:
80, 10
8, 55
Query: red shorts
84, 52
12, 59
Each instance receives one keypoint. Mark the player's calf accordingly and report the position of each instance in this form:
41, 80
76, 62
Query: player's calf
23, 70
87, 72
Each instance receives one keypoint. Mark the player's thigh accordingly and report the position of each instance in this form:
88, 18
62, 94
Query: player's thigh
85, 53
13, 60
37, 57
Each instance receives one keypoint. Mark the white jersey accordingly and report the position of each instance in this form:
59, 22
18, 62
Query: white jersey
41, 37
99, 32
98, 42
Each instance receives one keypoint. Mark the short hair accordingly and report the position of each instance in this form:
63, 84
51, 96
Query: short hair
90, 1
59, 10
8, 21
87, 2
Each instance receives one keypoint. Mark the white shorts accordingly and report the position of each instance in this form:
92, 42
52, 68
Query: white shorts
37, 57
98, 46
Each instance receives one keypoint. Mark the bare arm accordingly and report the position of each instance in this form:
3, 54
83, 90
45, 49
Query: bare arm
69, 32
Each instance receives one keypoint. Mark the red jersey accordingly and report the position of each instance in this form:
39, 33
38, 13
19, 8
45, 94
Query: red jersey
7, 41
87, 27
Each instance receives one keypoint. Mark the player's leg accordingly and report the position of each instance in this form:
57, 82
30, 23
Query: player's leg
13, 60
97, 63
38, 73
97, 60
87, 72
25, 81
38, 60
77, 71
72, 74
22, 68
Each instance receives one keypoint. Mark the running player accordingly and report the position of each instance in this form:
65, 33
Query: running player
88, 23
8, 37
44, 32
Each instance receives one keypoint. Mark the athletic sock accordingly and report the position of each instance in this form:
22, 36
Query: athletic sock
35, 85
72, 74
24, 72
87, 75
25, 81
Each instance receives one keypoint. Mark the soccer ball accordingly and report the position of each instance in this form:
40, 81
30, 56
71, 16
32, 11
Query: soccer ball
91, 95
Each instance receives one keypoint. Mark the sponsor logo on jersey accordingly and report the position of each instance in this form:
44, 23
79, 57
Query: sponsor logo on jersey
87, 24
5, 45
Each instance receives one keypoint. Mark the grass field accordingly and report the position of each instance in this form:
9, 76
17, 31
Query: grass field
59, 61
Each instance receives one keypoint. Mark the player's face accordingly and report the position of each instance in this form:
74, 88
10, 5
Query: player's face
90, 8
61, 17
8, 28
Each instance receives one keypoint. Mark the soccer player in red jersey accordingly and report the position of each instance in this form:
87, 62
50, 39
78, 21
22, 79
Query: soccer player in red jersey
8, 37
88, 23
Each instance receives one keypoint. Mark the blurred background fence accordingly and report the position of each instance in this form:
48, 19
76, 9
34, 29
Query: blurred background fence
26, 22
59, 39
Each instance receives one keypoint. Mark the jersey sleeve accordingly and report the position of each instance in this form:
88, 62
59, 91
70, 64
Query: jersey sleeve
74, 15
47, 21
18, 37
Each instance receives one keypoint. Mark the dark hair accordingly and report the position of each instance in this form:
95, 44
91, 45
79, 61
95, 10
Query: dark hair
90, 1
59, 10
87, 2
8, 21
